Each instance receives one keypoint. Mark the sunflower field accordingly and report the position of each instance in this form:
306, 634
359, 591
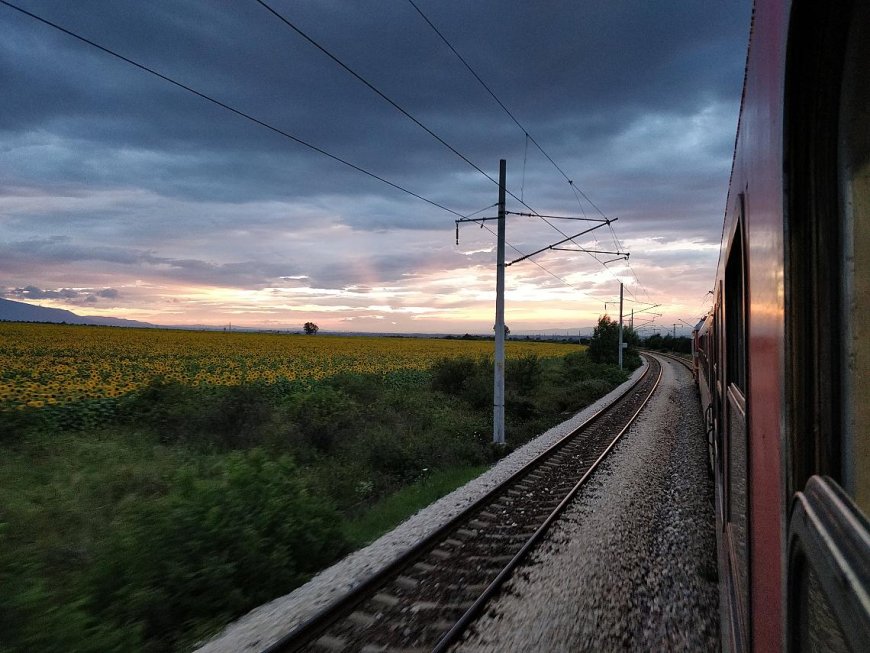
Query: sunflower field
158, 483
50, 364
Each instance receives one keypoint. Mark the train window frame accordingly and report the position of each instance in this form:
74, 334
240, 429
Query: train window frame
829, 537
735, 308
854, 193
812, 239
735, 465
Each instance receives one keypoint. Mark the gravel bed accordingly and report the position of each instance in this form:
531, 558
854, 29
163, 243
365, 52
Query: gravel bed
632, 563
267, 623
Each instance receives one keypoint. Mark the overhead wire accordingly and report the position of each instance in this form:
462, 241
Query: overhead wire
551, 273
578, 192
228, 107
316, 148
290, 24
372, 87
249, 117
502, 105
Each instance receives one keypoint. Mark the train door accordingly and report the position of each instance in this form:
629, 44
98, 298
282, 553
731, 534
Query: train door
827, 288
717, 369
735, 453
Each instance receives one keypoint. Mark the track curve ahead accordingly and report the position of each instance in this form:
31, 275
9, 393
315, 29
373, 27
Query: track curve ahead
428, 596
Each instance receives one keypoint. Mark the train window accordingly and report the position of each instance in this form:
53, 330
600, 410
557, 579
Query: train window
819, 630
854, 192
735, 327
828, 564
735, 442
827, 310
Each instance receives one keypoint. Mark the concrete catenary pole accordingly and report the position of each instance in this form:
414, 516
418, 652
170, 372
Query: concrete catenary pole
498, 382
620, 325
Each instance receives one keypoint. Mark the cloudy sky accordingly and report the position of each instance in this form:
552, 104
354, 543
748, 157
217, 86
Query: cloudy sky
122, 194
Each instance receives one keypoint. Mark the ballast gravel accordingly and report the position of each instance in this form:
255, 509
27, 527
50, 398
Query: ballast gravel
266, 624
632, 563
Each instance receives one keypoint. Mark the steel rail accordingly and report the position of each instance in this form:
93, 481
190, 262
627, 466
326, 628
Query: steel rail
471, 614
306, 632
673, 357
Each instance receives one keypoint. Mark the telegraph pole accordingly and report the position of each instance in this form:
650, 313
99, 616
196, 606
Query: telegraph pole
498, 382
620, 325
498, 366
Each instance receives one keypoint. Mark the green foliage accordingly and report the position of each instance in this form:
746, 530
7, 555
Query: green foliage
523, 375
390, 511
32, 618
186, 508
681, 344
324, 416
216, 545
604, 344
451, 375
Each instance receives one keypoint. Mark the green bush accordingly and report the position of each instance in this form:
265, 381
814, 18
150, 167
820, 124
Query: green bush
240, 416
603, 346
523, 375
363, 388
175, 411
175, 568
325, 415
34, 618
451, 375
171, 519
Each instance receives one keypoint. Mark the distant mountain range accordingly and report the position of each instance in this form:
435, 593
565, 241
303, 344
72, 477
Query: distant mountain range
11, 311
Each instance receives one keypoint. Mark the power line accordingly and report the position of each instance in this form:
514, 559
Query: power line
528, 137
552, 274
304, 143
373, 88
407, 114
227, 107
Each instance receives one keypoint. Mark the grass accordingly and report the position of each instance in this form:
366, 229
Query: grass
152, 523
387, 513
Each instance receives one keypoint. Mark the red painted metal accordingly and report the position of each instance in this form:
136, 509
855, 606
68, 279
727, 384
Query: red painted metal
757, 191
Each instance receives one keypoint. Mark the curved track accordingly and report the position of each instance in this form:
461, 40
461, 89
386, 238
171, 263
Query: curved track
676, 359
427, 597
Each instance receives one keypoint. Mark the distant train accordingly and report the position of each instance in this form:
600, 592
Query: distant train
783, 358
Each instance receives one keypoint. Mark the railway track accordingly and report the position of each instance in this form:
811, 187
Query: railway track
676, 359
429, 596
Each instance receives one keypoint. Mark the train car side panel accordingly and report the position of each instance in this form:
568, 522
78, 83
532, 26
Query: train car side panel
755, 210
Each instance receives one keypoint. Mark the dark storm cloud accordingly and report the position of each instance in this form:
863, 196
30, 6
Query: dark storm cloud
575, 75
18, 257
68, 295
61, 251
32, 292
107, 170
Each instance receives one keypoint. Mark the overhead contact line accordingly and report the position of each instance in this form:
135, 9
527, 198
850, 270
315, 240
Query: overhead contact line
291, 25
228, 107
578, 192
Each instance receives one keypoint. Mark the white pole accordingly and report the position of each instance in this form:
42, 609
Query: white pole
620, 325
498, 387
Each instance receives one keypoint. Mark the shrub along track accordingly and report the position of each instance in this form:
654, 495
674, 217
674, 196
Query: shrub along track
427, 597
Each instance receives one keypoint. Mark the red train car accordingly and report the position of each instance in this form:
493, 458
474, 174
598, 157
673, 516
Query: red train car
783, 359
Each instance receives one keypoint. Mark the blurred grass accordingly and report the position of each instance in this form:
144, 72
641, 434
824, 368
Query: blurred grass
152, 523
390, 511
